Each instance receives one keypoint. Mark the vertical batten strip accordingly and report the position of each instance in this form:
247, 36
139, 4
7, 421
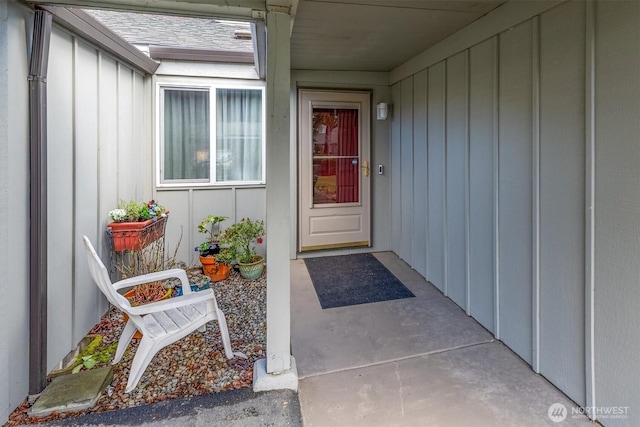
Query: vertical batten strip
426, 184
119, 195
589, 205
445, 220
74, 183
99, 231
133, 147
467, 180
496, 184
535, 191
234, 205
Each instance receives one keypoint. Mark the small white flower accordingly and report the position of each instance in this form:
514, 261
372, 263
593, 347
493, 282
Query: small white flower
118, 214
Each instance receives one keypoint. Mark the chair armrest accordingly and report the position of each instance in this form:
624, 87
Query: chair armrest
173, 302
154, 277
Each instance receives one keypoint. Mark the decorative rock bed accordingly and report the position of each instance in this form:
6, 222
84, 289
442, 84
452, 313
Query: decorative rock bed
194, 365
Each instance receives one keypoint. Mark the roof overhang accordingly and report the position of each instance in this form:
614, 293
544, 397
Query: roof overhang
202, 55
248, 10
84, 25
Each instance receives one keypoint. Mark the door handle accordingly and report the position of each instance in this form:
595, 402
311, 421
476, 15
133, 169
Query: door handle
365, 168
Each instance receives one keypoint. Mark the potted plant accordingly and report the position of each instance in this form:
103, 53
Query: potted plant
240, 239
136, 224
213, 262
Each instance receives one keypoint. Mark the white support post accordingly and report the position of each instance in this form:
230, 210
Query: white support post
278, 371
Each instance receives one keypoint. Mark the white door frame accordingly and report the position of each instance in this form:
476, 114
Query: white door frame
331, 226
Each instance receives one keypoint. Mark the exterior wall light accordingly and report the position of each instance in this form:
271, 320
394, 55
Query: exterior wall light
382, 111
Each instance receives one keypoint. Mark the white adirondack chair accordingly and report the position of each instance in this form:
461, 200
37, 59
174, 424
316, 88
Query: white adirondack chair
165, 321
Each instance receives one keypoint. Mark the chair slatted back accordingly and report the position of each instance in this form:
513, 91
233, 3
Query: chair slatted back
101, 277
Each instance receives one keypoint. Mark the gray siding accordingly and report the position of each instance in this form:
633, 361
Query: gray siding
482, 197
396, 172
456, 178
86, 96
617, 207
436, 263
61, 165
514, 187
562, 198
99, 152
420, 160
508, 191
189, 206
406, 169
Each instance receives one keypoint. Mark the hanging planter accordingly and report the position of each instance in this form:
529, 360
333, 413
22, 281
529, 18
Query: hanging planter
136, 225
133, 236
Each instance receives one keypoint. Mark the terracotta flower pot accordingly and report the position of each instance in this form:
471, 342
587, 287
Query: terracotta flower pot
216, 271
133, 236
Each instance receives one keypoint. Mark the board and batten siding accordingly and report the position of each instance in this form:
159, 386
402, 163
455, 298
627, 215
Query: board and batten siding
436, 261
499, 129
99, 151
188, 206
616, 161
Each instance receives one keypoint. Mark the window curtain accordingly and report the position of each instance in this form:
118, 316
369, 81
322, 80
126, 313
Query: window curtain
186, 134
238, 135
347, 168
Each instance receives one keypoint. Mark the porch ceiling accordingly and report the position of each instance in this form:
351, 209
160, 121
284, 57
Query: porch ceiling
375, 35
351, 35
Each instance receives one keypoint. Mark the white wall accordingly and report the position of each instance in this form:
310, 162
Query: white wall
502, 120
380, 184
15, 28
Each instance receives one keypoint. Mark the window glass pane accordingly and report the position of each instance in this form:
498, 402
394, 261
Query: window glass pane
238, 135
335, 181
335, 132
186, 134
335, 156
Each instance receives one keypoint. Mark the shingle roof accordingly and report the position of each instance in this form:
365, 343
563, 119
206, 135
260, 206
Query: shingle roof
175, 31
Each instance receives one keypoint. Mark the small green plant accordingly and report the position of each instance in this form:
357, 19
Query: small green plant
226, 255
241, 237
134, 211
211, 227
94, 354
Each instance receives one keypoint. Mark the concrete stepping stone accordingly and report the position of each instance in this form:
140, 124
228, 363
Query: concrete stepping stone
73, 392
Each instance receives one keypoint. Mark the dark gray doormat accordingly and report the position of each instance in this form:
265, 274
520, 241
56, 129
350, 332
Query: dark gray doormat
353, 279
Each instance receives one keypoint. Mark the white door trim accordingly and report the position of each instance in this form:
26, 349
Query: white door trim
330, 226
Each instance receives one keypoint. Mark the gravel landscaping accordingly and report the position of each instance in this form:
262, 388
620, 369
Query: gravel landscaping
193, 366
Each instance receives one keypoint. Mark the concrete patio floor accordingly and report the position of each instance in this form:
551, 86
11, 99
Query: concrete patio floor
414, 361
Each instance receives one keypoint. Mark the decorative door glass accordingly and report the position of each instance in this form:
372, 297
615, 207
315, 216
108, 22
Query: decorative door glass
336, 156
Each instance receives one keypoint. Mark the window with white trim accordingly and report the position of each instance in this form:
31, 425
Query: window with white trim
211, 135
